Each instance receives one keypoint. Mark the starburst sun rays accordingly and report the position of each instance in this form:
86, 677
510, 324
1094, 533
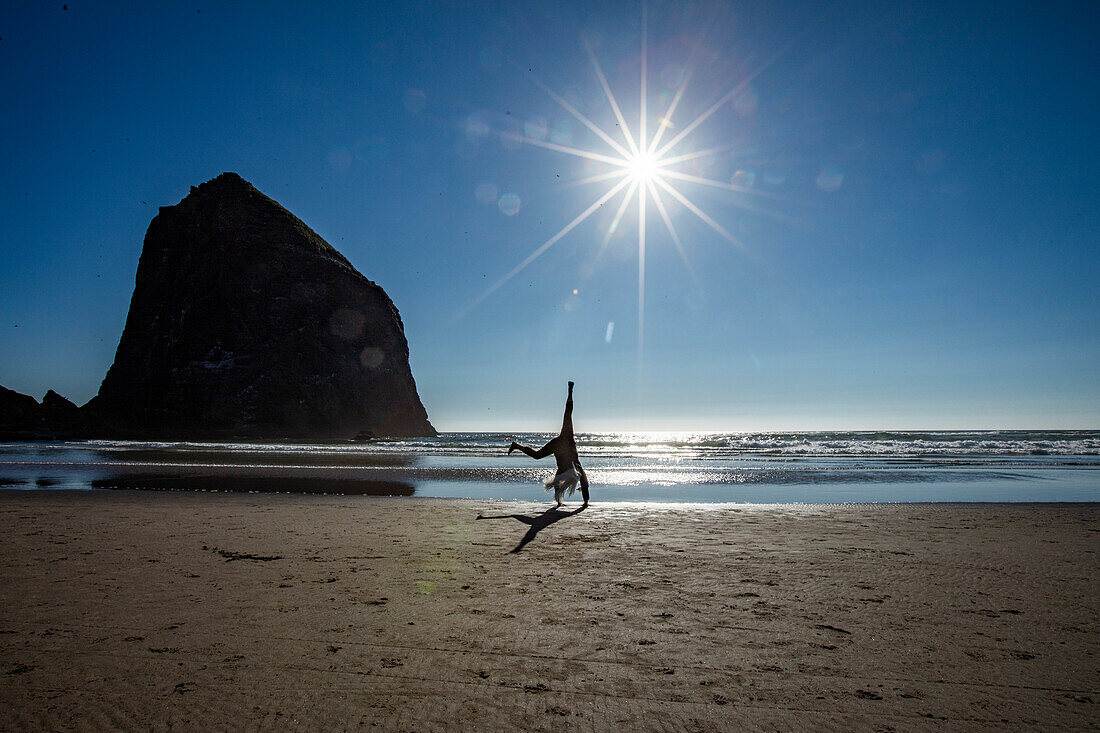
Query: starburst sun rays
638, 164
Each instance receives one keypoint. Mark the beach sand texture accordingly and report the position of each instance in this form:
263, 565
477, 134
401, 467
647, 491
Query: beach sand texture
133, 610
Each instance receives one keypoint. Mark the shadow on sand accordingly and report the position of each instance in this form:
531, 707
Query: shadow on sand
538, 522
236, 482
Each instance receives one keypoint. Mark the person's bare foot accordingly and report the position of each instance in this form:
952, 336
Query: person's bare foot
512, 447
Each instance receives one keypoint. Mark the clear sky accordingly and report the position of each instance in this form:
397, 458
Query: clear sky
912, 187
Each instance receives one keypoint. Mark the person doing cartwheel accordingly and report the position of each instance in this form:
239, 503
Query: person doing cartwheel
564, 448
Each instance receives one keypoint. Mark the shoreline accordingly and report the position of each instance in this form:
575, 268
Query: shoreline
129, 609
705, 468
548, 502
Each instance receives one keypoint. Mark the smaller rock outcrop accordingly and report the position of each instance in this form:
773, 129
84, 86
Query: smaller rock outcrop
19, 413
22, 417
55, 404
63, 417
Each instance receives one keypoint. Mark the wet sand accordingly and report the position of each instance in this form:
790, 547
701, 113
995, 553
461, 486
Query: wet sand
148, 609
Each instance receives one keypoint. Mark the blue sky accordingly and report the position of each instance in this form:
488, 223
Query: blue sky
916, 200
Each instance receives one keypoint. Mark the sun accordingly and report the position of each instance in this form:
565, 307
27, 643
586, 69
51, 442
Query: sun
642, 168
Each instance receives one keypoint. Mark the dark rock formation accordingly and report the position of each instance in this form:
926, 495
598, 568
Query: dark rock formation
245, 323
58, 405
23, 418
20, 415
63, 418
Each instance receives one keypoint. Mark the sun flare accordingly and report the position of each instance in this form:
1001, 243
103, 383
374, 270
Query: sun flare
642, 165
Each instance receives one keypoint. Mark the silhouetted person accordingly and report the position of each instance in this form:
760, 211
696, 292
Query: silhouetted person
564, 448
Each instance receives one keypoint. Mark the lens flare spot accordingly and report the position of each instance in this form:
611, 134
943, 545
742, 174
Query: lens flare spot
486, 193
511, 137
509, 204
830, 178
746, 102
536, 128
931, 161
610, 332
371, 357
743, 179
415, 100
477, 128
339, 158
347, 324
562, 134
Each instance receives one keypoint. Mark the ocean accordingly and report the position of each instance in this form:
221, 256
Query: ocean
755, 468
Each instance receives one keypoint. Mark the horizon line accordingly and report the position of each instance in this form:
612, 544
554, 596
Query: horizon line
663, 431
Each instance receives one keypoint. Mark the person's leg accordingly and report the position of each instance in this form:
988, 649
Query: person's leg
567, 421
542, 452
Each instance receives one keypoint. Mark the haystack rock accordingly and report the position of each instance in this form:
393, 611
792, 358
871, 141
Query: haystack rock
244, 323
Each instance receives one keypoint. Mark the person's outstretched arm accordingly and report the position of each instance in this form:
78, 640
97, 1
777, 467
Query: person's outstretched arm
567, 421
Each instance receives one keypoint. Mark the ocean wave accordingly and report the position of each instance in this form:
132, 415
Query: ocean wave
870, 466
815, 444
1084, 444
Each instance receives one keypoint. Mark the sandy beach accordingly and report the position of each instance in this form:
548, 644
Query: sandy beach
131, 610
